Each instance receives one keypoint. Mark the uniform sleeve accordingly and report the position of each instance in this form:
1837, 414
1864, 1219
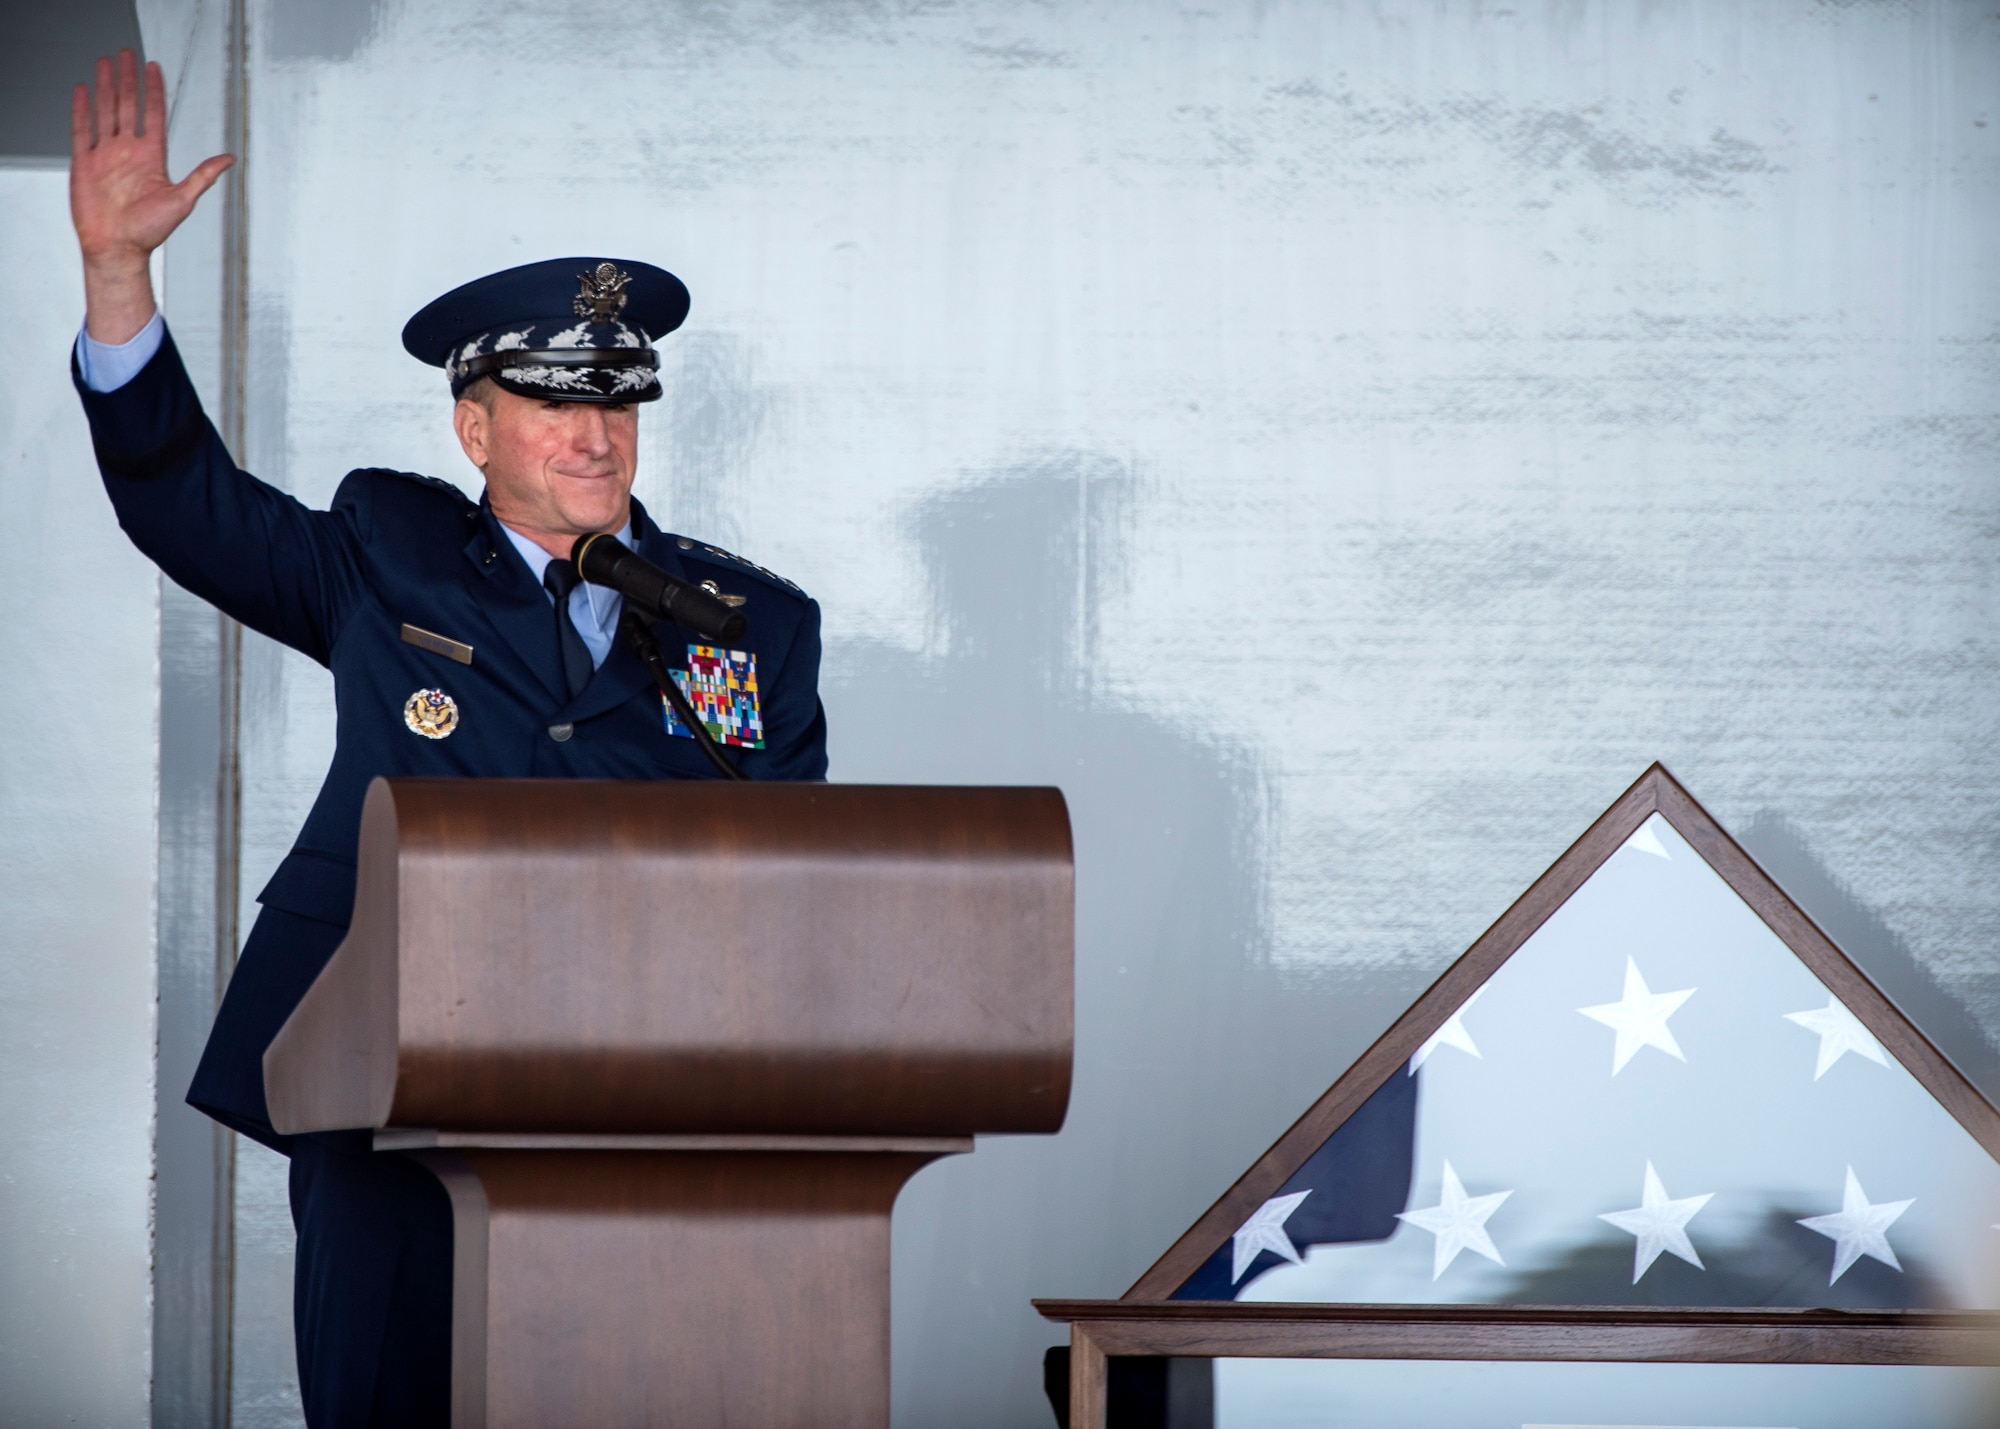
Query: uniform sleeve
252, 551
794, 722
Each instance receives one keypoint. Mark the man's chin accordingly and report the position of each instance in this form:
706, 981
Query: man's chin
601, 513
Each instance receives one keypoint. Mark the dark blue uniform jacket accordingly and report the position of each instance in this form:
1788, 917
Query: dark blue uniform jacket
339, 586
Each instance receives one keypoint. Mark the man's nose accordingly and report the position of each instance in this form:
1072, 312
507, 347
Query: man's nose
593, 433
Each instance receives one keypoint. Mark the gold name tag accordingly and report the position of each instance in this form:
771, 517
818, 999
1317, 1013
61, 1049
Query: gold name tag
437, 644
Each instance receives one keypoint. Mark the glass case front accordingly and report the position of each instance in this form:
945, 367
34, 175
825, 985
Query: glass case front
1652, 1102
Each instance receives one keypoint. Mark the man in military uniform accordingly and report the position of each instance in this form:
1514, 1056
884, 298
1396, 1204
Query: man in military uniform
461, 639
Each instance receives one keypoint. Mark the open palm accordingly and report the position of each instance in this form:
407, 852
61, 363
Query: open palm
120, 198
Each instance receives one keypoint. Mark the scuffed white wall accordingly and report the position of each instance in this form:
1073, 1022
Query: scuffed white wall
1341, 445
78, 644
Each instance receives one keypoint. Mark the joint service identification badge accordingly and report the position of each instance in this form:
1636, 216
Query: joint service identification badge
721, 685
431, 713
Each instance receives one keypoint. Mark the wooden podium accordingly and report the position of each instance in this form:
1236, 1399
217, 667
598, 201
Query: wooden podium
673, 1049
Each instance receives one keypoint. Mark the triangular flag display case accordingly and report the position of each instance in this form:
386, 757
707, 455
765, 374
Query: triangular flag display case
1652, 1119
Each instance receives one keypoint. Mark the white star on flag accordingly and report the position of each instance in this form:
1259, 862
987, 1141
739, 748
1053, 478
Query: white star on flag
1858, 1228
1458, 1222
1639, 1018
1646, 841
1660, 1224
1452, 1034
1840, 1032
1265, 1230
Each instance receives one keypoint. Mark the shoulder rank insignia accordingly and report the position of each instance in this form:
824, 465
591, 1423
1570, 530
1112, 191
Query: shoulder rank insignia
688, 544
721, 687
436, 483
431, 713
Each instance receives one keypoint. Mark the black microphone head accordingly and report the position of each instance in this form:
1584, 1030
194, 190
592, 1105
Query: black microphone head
579, 553
602, 560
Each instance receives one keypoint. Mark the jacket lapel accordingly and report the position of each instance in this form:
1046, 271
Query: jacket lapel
623, 674
513, 604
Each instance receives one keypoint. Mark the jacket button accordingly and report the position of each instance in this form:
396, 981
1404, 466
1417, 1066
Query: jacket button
561, 732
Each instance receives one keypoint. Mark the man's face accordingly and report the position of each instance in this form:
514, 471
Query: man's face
553, 469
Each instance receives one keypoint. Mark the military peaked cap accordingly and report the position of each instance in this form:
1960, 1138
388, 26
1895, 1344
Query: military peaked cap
569, 329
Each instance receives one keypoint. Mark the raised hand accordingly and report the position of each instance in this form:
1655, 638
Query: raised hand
120, 198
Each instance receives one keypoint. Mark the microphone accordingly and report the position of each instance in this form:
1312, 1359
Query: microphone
604, 560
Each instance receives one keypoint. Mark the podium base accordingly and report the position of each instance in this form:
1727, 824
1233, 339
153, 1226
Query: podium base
602, 1282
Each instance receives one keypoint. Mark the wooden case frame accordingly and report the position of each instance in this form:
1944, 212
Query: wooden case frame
1144, 1321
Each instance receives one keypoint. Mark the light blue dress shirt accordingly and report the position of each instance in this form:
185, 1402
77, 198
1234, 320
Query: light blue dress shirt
593, 609
106, 368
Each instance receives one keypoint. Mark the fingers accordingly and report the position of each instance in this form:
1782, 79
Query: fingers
156, 103
203, 178
79, 122
128, 93
106, 101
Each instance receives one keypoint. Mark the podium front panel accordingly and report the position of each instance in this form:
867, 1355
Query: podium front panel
579, 956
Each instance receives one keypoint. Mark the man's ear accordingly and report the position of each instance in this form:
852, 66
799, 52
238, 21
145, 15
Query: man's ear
472, 423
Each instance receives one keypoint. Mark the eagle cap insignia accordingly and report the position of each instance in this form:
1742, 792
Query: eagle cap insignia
601, 296
431, 713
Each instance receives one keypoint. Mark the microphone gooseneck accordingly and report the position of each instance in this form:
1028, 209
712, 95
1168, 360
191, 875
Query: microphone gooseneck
639, 631
604, 560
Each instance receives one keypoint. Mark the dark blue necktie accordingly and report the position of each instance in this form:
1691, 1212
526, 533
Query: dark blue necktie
560, 578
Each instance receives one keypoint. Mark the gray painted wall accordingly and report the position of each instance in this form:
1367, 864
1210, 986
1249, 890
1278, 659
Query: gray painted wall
1341, 445
76, 871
